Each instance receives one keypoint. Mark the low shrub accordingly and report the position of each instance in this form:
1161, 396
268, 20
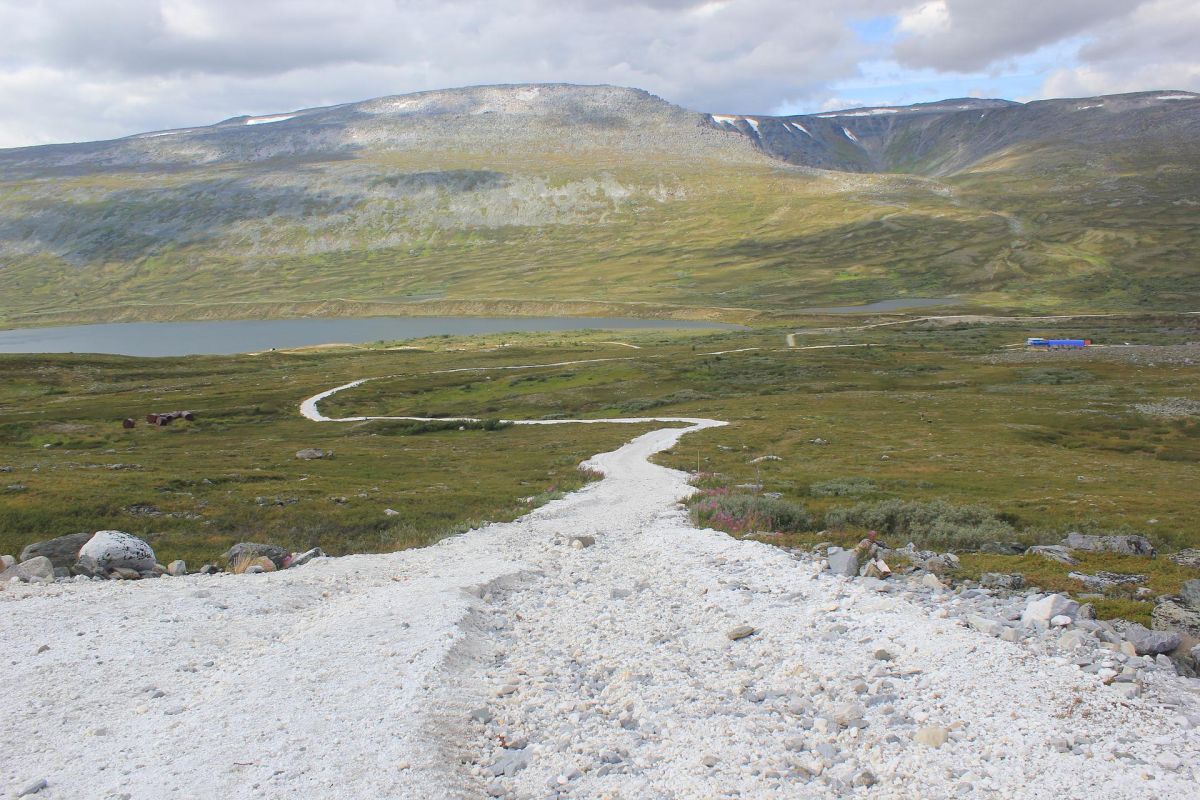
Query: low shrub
682, 396
414, 427
1054, 376
843, 487
745, 513
936, 524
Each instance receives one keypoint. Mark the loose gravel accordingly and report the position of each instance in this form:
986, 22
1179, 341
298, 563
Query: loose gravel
509, 662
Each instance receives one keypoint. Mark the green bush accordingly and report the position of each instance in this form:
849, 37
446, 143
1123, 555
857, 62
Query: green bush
928, 524
843, 487
1054, 377
744, 513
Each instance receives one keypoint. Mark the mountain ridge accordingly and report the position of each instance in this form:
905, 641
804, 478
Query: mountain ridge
547, 193
858, 139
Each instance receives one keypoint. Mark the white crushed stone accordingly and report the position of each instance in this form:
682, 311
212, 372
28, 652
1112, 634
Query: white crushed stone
607, 670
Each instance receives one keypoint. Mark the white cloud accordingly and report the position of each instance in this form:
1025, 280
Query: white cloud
1157, 46
927, 19
970, 35
85, 69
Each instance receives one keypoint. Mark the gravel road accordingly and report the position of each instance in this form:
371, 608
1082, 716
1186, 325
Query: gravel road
510, 661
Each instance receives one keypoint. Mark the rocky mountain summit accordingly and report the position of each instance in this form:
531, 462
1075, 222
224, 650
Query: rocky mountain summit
543, 118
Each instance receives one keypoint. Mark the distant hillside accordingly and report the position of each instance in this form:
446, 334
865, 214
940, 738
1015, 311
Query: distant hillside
949, 136
556, 197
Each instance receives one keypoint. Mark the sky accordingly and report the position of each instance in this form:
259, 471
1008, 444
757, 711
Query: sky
77, 70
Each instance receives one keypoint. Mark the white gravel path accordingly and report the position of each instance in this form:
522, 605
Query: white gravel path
407, 675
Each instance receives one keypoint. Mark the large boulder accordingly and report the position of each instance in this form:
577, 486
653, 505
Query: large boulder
1101, 581
37, 568
1150, 643
1169, 616
248, 551
1190, 592
1000, 580
311, 453
843, 562
1049, 607
62, 551
1125, 545
108, 550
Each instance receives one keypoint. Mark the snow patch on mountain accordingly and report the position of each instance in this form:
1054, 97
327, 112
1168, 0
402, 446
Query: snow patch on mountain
272, 118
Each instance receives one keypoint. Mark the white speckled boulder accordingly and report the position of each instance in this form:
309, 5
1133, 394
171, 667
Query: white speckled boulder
111, 549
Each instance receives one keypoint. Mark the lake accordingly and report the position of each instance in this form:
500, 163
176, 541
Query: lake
246, 336
888, 305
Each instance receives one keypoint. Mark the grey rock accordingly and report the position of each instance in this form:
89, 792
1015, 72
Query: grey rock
1048, 607
481, 715
1054, 552
843, 562
209, 569
509, 762
1000, 580
931, 581
34, 788
1171, 616
864, 778
1148, 642
38, 568
177, 568
1195, 653
740, 632
827, 751
845, 713
63, 551
107, 550
581, 542
1073, 639
1125, 545
300, 559
1187, 558
1190, 592
311, 453
251, 550
984, 625
1003, 548
1101, 581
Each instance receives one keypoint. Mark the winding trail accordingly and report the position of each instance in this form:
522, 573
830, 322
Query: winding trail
506, 662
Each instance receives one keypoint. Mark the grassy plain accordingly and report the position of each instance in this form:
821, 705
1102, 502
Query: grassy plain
1049, 442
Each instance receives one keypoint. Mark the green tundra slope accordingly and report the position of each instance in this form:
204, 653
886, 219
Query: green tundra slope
559, 198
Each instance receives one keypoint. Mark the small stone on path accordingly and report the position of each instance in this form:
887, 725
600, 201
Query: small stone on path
740, 632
